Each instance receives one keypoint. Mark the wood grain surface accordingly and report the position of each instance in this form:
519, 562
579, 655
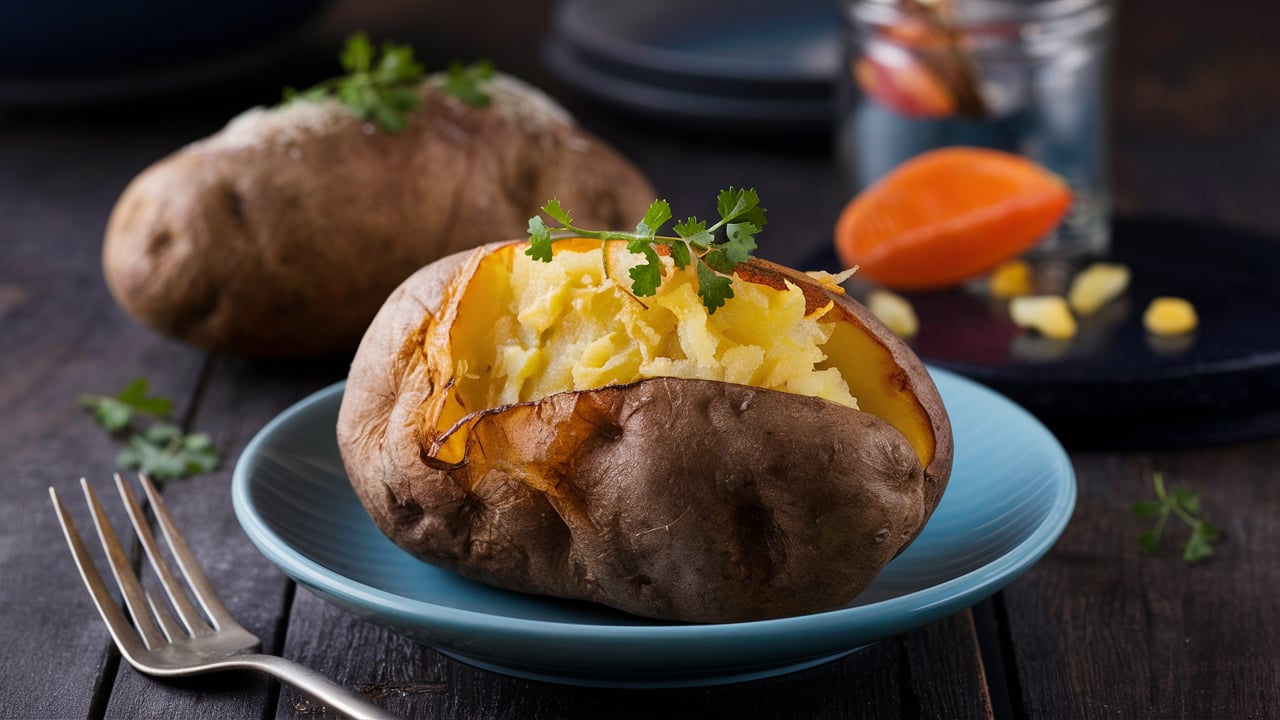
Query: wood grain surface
1095, 630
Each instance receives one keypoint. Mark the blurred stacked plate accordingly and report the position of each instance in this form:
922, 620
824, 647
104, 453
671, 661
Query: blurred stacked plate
714, 64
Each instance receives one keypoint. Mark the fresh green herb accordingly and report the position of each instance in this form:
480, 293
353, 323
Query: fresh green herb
1185, 504
164, 453
113, 412
741, 218
161, 449
464, 82
383, 85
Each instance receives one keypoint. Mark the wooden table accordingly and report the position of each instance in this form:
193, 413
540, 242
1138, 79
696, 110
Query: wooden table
1094, 630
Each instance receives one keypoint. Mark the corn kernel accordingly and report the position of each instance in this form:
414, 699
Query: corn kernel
1046, 314
1011, 279
1097, 285
895, 312
1170, 316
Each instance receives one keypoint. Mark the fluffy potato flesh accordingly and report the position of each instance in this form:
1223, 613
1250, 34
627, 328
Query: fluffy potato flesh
538, 427
528, 329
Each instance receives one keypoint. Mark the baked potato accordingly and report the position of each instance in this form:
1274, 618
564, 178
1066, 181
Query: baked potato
537, 427
281, 235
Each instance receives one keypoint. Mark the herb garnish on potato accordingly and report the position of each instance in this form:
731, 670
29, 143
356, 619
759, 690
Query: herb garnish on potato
740, 215
383, 85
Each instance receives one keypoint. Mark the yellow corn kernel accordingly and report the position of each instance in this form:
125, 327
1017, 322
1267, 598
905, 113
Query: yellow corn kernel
1011, 279
1170, 316
1097, 285
1046, 314
895, 312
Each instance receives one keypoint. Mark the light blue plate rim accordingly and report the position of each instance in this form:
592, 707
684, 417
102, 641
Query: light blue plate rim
896, 614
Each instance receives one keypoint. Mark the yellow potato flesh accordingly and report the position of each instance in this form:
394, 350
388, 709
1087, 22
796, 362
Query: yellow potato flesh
882, 388
526, 329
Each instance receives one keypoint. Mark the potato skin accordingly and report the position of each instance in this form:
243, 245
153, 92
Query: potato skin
283, 234
671, 498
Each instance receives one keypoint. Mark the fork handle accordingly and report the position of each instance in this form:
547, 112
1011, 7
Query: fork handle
332, 695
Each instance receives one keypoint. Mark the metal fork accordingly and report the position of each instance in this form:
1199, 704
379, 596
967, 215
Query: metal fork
156, 644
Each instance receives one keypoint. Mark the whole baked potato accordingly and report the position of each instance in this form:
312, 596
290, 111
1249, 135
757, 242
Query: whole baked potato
281, 235
537, 427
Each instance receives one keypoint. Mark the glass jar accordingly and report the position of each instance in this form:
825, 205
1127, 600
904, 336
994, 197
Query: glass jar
1028, 76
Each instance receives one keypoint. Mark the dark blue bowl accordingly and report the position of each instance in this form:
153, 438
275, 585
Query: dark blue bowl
61, 37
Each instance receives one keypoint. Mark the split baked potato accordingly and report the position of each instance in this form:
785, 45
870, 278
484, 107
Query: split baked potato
537, 427
281, 235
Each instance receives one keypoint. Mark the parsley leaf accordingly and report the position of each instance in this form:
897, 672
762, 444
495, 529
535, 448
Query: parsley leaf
647, 276
1200, 544
694, 231
1184, 504
464, 82
713, 288
397, 64
740, 206
741, 217
680, 254
658, 214
718, 260
539, 240
164, 453
558, 213
1145, 508
742, 241
113, 412
357, 56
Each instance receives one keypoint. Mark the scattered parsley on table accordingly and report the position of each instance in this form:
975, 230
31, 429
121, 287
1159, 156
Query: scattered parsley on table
160, 449
1180, 502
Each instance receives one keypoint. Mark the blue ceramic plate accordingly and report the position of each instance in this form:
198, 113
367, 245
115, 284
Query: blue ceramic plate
1011, 494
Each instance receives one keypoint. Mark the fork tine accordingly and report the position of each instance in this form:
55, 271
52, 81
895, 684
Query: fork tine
200, 585
168, 624
122, 568
117, 624
191, 618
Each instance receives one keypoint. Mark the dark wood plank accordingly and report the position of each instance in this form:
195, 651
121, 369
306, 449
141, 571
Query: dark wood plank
1187, 641
62, 336
414, 681
948, 675
933, 672
238, 399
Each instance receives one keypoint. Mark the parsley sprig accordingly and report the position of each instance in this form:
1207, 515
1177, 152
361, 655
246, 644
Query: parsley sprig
1180, 502
382, 84
466, 82
715, 258
161, 449
113, 412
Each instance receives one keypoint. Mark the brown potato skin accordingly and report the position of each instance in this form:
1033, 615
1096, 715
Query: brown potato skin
677, 499
287, 248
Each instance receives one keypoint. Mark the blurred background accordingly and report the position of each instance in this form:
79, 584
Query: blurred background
755, 93
185, 68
